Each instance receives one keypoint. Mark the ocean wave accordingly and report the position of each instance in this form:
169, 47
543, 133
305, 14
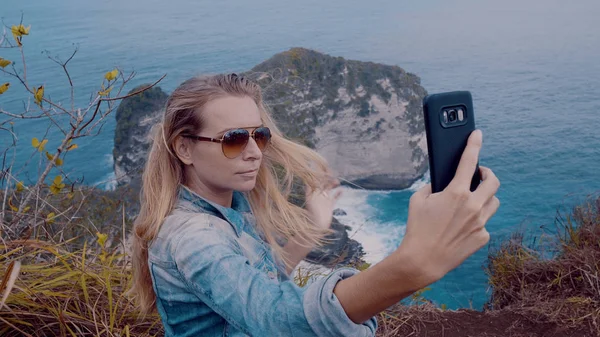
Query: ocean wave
417, 185
378, 238
109, 181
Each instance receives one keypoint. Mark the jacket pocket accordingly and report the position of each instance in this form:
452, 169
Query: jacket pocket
258, 256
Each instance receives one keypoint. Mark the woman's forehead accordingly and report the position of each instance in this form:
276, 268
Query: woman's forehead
230, 112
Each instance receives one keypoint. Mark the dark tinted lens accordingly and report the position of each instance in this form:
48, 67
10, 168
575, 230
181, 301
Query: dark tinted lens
234, 142
262, 136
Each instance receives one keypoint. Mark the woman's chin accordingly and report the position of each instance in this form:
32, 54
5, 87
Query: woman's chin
246, 186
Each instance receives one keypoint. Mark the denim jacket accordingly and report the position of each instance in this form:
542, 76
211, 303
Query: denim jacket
214, 275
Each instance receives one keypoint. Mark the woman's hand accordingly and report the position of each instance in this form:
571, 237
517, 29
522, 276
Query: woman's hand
320, 203
445, 228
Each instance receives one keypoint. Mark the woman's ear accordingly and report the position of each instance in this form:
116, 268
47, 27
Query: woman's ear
183, 150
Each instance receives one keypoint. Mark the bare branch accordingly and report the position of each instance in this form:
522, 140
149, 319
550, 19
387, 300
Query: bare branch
9, 44
3, 36
50, 102
115, 99
22, 116
64, 66
14, 136
135, 92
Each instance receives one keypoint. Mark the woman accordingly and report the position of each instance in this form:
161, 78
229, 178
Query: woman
216, 237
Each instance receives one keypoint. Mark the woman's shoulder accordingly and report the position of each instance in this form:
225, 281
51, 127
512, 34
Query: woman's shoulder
184, 223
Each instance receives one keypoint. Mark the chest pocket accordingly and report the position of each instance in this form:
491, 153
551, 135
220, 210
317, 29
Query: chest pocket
258, 255
254, 250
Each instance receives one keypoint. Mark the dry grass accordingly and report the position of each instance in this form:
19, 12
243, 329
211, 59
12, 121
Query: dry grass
565, 289
67, 289
68, 293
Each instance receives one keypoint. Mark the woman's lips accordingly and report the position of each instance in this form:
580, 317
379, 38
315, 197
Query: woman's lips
248, 173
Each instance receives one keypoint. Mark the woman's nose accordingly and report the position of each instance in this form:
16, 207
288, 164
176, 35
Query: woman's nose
252, 151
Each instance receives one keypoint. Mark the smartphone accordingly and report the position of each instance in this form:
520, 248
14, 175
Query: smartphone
449, 121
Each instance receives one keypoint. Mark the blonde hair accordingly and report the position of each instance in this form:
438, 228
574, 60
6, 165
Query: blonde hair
284, 164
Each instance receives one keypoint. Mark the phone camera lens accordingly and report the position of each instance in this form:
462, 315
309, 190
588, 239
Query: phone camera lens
452, 115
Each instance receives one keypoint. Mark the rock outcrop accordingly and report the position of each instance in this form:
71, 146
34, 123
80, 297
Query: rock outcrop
365, 118
135, 117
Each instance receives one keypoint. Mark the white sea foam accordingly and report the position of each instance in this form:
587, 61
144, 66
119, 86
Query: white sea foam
417, 185
378, 239
109, 182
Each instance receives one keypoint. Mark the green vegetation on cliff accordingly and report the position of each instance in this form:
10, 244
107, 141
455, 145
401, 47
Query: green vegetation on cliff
129, 134
311, 76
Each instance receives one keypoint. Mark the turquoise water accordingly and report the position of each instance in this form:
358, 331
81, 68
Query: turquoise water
533, 68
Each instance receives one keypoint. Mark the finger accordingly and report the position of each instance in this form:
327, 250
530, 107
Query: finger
337, 195
332, 183
489, 185
489, 209
423, 192
468, 162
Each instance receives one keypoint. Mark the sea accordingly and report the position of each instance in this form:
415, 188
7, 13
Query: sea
533, 67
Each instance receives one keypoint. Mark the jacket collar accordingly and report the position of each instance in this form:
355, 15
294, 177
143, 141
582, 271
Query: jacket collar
234, 215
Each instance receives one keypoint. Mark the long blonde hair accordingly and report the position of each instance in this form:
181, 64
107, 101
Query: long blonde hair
284, 164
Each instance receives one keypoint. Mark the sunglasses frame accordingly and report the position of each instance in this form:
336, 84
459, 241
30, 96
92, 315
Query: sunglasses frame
220, 141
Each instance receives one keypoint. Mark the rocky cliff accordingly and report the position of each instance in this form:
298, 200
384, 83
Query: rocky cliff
135, 116
364, 118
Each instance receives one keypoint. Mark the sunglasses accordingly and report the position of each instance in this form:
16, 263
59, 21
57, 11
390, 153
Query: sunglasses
234, 141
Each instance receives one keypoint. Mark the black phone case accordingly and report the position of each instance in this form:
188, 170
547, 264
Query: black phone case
446, 144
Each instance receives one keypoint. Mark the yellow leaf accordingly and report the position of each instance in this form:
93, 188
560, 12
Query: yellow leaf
9, 279
55, 190
4, 62
111, 75
13, 207
105, 92
72, 147
57, 185
39, 145
50, 217
58, 161
26, 209
20, 30
70, 195
39, 95
4, 87
20, 186
101, 238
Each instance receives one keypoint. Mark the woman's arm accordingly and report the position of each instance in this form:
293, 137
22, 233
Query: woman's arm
442, 230
296, 252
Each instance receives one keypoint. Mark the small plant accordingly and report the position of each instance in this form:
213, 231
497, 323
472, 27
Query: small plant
60, 275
